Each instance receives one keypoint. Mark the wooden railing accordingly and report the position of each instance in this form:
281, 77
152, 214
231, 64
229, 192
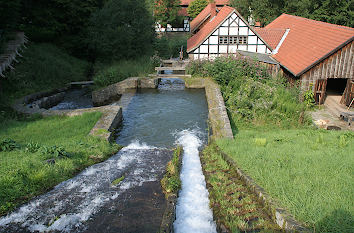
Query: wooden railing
12, 50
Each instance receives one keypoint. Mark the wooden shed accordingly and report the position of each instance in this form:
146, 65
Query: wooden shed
318, 54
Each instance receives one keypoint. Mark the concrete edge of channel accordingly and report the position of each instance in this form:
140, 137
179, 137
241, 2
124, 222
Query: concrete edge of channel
281, 216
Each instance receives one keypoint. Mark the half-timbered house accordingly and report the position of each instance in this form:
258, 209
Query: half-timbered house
226, 33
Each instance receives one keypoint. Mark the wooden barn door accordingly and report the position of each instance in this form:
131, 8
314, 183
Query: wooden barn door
348, 94
320, 90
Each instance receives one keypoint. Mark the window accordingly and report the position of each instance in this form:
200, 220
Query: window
232, 39
223, 40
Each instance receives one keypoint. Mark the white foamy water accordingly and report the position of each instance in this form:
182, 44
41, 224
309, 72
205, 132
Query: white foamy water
192, 211
73, 202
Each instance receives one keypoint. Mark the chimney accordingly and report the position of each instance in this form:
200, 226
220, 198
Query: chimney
257, 24
212, 10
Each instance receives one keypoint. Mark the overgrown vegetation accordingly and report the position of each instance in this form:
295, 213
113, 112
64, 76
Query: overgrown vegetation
234, 206
36, 154
309, 171
252, 96
118, 71
171, 182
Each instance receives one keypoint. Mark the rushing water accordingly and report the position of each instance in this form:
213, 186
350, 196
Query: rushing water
154, 119
192, 212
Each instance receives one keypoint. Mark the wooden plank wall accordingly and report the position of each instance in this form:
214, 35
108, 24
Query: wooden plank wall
338, 65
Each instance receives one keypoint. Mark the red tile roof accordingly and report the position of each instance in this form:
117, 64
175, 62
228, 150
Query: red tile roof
205, 31
218, 2
271, 36
308, 41
197, 21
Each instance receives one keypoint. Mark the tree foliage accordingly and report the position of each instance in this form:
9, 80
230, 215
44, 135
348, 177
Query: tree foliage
339, 12
166, 12
196, 7
121, 29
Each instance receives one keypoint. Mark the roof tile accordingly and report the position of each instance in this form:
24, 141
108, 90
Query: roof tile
206, 12
308, 41
271, 36
198, 38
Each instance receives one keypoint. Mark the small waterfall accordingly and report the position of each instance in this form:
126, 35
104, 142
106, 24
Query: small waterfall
192, 212
171, 84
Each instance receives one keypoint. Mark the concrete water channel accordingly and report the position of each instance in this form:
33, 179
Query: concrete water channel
154, 121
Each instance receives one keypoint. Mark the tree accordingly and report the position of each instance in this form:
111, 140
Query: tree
121, 29
166, 12
196, 7
332, 11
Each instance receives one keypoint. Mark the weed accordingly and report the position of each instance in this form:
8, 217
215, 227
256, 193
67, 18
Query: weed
8, 145
171, 182
118, 180
32, 147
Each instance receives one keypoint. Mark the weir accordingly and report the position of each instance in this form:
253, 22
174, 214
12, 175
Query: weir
154, 121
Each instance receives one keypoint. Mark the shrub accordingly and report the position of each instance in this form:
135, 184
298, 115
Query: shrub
123, 69
251, 95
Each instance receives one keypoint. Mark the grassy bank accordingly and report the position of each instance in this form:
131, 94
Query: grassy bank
234, 206
37, 154
43, 67
310, 172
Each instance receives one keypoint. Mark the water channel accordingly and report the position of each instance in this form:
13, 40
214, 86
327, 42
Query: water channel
155, 120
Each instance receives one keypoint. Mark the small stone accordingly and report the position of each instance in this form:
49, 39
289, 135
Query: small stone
50, 161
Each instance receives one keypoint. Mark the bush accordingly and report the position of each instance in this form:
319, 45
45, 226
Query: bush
123, 69
252, 95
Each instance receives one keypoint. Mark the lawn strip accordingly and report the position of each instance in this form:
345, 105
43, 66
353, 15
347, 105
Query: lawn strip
235, 208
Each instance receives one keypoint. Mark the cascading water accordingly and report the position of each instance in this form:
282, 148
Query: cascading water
90, 203
192, 212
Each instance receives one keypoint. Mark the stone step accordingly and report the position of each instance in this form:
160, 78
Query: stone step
170, 75
170, 68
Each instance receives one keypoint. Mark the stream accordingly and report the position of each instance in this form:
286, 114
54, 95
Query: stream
155, 121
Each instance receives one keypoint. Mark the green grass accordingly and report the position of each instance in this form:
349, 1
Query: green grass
120, 70
310, 172
171, 182
24, 172
234, 206
43, 67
